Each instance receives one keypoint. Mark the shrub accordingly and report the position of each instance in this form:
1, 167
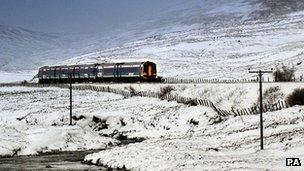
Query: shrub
296, 97
164, 91
272, 95
193, 121
284, 73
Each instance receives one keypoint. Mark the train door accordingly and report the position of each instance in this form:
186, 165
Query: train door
71, 71
99, 71
117, 70
149, 70
77, 72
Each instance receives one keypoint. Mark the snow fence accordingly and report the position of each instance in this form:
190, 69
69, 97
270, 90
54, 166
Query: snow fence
179, 99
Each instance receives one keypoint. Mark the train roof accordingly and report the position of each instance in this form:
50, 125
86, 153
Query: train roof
126, 63
98, 64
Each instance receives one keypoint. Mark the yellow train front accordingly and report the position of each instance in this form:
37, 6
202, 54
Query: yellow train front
100, 72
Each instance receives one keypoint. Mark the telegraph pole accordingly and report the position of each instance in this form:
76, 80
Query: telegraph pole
260, 73
70, 76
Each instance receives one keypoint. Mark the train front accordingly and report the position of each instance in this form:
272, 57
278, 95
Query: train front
149, 72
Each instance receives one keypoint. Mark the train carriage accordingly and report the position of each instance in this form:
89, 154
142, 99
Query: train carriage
99, 72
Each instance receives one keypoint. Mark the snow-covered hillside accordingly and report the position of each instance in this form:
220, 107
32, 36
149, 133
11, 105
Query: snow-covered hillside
189, 38
217, 52
22, 49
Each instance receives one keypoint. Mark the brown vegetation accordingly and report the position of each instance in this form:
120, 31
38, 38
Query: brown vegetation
296, 97
284, 74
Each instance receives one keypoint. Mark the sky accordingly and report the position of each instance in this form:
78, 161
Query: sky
77, 16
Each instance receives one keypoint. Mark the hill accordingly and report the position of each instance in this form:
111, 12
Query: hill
211, 39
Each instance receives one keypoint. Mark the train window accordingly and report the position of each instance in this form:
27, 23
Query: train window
98, 71
76, 70
129, 71
91, 71
123, 71
108, 71
153, 66
82, 70
48, 73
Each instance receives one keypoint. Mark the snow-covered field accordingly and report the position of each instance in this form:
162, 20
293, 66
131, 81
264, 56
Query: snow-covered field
178, 137
34, 120
228, 145
224, 96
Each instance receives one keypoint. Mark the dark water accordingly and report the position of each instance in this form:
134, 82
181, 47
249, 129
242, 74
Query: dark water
60, 161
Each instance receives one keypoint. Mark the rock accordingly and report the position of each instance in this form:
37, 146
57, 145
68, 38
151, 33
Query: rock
48, 166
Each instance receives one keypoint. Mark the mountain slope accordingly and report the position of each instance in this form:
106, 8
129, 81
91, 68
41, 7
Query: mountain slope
21, 48
24, 49
216, 52
189, 38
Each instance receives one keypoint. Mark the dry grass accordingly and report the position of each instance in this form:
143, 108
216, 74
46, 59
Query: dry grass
164, 91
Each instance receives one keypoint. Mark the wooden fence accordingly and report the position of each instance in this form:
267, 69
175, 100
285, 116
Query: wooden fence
226, 81
200, 80
170, 97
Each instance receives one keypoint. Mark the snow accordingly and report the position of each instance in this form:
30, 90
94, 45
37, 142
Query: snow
7, 77
26, 140
26, 49
215, 51
34, 120
178, 136
224, 96
230, 145
238, 6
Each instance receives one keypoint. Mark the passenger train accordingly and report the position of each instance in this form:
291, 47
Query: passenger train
100, 72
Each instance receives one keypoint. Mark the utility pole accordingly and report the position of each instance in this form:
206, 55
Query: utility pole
260, 73
70, 76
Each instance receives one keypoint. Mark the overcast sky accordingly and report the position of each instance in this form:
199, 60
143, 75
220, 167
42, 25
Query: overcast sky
77, 16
